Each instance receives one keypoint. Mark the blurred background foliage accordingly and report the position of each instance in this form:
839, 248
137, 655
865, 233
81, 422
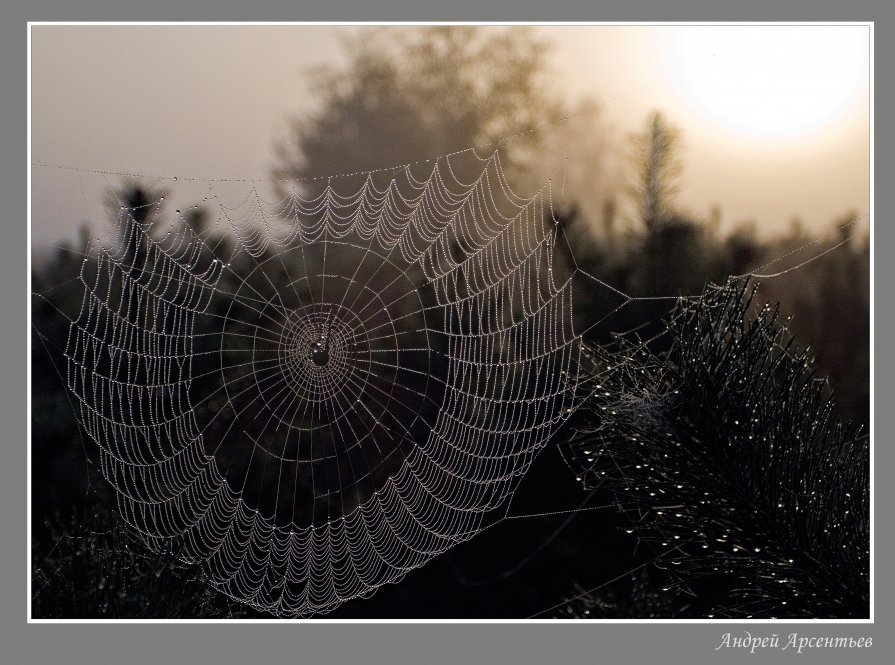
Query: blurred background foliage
409, 100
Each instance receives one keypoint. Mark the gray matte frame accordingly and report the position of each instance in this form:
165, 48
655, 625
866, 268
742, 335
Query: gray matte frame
400, 643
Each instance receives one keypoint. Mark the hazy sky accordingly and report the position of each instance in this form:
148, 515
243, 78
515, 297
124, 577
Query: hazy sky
774, 118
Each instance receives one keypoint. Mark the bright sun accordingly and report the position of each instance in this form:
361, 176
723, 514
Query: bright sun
769, 81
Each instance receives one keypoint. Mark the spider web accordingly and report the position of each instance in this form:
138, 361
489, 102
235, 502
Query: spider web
317, 394
321, 393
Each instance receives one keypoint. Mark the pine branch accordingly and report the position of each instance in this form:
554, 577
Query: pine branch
634, 598
730, 449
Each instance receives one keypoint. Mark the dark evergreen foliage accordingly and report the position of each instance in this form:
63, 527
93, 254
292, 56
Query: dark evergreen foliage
727, 455
95, 569
635, 597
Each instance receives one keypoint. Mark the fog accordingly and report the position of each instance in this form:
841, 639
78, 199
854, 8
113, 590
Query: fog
212, 102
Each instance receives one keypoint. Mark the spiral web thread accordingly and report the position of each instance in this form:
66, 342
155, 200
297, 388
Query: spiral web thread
317, 395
